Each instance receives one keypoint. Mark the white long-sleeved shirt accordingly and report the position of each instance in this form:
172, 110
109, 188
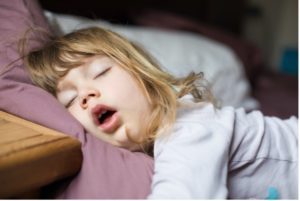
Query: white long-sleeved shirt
226, 153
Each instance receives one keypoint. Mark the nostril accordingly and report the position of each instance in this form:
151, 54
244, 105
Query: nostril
94, 94
85, 99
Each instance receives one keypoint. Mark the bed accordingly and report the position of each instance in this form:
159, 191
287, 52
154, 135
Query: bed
101, 171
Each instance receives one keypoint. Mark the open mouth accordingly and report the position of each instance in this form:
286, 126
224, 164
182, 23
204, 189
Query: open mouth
106, 118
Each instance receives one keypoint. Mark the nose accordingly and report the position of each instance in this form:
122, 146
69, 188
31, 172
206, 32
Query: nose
87, 97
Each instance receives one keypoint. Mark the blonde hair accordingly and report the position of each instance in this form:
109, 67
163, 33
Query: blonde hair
47, 65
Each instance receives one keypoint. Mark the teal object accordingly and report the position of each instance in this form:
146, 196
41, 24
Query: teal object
273, 194
289, 61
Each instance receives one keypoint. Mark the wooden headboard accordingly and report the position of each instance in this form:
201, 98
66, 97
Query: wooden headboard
33, 156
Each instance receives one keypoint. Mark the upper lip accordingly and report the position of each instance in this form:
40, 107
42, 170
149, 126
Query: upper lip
98, 109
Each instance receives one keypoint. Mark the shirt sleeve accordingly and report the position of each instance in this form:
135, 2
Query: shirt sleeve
191, 163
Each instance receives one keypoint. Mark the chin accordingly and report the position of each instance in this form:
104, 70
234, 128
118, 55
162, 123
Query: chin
126, 144
134, 147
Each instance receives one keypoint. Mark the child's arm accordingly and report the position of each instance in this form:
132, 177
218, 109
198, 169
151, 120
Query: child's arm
263, 157
191, 163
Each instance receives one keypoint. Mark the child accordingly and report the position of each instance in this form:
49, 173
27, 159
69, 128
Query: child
119, 93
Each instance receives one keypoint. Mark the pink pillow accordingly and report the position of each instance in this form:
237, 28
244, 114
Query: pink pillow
107, 172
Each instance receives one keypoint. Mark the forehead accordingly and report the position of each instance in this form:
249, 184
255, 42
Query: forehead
88, 65
98, 60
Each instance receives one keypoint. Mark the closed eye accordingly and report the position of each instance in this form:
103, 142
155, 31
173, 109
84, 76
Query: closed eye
70, 103
102, 73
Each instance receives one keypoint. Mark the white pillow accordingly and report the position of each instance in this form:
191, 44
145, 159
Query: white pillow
179, 53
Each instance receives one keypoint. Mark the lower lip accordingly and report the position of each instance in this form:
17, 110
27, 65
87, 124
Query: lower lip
111, 124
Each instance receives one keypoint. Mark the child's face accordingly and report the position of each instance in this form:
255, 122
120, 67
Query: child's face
106, 100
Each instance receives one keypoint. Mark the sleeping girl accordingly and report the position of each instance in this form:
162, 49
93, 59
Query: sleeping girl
121, 95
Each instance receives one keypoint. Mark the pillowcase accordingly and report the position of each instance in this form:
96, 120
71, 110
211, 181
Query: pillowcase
180, 53
107, 172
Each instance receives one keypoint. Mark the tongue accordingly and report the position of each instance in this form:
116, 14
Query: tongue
106, 117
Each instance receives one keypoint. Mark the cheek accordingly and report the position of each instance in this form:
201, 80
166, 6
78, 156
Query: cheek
128, 89
118, 92
79, 115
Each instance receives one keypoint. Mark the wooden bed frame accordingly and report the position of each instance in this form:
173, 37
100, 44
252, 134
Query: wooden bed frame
33, 156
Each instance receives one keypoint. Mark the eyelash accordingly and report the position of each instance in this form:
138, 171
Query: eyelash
70, 102
103, 72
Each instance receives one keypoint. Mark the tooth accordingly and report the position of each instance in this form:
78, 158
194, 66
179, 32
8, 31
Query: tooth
103, 112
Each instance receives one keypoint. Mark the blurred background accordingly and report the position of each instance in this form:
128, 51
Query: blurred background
263, 33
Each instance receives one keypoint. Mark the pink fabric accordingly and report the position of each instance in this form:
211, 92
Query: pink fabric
107, 172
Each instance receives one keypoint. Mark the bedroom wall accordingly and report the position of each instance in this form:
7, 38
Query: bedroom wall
226, 14
273, 26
